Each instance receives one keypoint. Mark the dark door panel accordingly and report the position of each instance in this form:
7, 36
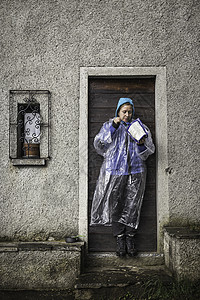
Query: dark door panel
104, 94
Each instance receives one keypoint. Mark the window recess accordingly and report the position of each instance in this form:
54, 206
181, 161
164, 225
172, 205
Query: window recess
29, 127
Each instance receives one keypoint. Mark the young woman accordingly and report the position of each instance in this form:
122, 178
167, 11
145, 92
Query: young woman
121, 184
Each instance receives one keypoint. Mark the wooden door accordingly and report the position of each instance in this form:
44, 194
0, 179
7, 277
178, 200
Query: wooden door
104, 94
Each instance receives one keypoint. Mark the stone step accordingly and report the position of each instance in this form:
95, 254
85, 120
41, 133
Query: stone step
114, 283
110, 260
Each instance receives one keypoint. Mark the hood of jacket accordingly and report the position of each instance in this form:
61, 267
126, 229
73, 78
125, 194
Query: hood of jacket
123, 101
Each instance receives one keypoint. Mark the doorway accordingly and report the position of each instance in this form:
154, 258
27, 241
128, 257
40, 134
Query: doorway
103, 95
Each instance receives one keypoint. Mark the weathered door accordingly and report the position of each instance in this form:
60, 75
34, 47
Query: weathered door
104, 94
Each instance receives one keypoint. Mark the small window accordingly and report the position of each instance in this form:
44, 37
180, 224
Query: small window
28, 134
29, 127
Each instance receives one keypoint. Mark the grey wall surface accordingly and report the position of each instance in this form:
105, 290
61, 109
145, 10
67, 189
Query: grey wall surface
43, 45
181, 252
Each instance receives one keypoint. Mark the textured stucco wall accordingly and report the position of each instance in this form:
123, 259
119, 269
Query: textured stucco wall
181, 252
43, 45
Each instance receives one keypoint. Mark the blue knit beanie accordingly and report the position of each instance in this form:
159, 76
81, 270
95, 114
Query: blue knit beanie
123, 101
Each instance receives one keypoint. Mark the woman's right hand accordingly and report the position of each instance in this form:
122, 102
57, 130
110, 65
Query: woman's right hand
117, 120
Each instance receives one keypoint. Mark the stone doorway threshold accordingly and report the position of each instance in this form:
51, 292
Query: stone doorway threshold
110, 260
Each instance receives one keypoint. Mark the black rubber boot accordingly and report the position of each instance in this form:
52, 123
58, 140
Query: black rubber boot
121, 245
130, 246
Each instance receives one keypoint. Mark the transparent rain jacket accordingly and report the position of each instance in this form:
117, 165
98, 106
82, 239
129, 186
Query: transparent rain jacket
121, 184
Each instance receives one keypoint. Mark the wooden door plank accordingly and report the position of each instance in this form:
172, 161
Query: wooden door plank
110, 100
122, 86
104, 114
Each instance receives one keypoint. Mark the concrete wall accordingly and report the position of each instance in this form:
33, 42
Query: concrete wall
45, 265
181, 252
43, 45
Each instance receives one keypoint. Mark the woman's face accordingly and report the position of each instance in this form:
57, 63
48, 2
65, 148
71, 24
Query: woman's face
125, 112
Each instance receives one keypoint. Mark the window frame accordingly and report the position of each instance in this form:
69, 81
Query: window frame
17, 98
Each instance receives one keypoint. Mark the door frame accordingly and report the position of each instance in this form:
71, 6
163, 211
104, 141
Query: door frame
162, 196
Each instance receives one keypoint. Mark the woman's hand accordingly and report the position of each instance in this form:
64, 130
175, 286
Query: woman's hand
141, 142
117, 120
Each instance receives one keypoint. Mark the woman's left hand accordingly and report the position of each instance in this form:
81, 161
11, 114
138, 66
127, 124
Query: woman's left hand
141, 142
